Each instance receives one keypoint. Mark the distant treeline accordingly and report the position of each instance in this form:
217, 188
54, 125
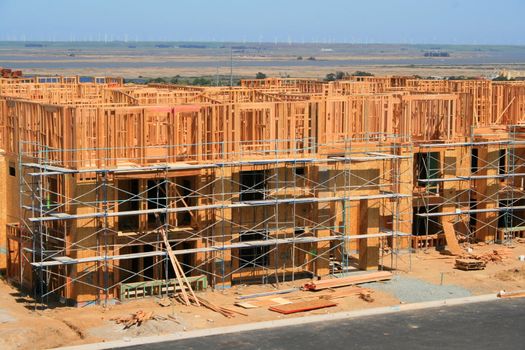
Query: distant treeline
341, 75
225, 80
221, 80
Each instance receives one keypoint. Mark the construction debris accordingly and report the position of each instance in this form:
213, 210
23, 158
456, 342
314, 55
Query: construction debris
302, 306
200, 301
515, 294
179, 272
496, 255
474, 261
305, 296
346, 281
366, 296
164, 302
136, 318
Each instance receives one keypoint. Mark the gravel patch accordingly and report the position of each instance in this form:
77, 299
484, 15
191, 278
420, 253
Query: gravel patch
413, 290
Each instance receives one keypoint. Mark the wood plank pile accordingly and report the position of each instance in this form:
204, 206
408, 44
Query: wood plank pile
295, 302
470, 264
347, 281
229, 313
496, 255
137, 318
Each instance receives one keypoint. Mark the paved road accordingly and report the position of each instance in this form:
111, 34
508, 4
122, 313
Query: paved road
489, 325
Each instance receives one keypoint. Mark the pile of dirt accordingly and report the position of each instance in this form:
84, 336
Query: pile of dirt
516, 274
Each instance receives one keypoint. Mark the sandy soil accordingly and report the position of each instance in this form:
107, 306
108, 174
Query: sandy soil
23, 328
437, 268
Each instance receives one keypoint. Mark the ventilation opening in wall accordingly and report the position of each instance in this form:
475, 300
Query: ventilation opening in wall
12, 169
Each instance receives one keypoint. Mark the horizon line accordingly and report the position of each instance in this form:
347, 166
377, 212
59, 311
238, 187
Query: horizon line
254, 42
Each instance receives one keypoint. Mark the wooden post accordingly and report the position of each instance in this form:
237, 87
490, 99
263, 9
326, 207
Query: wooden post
369, 223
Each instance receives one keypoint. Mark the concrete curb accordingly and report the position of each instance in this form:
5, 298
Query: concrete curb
282, 323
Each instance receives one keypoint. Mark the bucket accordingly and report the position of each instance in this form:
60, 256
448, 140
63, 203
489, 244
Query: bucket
521, 258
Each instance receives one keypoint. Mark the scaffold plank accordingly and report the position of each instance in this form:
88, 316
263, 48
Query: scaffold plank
245, 204
60, 260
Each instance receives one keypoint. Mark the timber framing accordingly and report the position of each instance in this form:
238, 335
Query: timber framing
274, 180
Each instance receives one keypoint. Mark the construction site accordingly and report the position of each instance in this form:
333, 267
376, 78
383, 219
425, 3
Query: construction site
112, 191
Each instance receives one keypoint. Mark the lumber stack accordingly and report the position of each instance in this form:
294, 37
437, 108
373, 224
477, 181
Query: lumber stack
470, 264
347, 281
306, 296
302, 306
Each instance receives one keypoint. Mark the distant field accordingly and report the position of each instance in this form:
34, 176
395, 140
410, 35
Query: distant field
164, 59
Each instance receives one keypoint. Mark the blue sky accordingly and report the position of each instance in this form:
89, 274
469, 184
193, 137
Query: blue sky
353, 21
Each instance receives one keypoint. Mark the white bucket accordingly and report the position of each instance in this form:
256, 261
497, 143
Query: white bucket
521, 258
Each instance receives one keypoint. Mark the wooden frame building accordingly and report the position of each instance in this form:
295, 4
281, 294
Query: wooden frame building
275, 180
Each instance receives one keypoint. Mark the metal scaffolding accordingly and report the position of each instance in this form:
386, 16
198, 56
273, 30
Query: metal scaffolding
300, 206
483, 196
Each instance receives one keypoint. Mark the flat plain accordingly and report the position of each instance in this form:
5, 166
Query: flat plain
310, 60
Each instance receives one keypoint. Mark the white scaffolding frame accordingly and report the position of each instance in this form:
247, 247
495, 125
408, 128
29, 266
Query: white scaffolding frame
45, 224
467, 200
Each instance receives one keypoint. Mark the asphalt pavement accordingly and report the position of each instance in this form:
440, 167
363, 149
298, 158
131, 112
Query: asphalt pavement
488, 325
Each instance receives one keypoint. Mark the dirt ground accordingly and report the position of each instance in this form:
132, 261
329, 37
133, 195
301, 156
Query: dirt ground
437, 268
21, 327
